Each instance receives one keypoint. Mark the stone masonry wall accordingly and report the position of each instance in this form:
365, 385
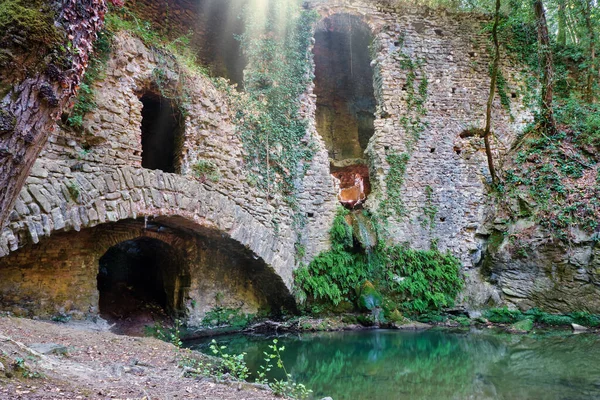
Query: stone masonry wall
58, 276
83, 180
445, 172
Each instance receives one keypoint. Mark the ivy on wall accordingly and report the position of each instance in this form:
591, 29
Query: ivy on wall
276, 42
415, 88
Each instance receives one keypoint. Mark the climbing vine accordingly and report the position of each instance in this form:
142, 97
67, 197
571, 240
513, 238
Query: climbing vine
172, 55
429, 210
394, 181
272, 130
415, 97
84, 103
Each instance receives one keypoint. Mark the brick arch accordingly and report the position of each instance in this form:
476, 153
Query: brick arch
131, 193
59, 274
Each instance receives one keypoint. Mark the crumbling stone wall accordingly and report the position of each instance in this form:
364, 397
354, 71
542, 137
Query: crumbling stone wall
82, 181
85, 180
445, 172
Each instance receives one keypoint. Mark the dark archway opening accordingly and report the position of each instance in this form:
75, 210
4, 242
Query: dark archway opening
138, 281
162, 133
345, 100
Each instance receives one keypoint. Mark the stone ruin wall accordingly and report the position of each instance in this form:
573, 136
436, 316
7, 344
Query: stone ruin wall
83, 180
453, 49
105, 163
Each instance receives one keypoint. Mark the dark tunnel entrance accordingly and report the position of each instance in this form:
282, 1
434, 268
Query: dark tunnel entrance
139, 281
162, 133
345, 101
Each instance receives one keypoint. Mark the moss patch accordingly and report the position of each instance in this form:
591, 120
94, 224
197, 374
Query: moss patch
31, 19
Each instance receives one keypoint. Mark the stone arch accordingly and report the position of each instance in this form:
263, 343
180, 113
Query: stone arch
346, 103
209, 269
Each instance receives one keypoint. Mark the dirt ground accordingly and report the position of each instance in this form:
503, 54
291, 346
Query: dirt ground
91, 363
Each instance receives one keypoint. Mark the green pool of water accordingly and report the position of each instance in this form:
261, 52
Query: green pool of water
434, 365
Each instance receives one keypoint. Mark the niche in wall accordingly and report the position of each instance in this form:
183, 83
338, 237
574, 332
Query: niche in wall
346, 102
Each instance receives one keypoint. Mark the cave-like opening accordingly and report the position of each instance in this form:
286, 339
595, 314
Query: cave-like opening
345, 100
162, 132
139, 279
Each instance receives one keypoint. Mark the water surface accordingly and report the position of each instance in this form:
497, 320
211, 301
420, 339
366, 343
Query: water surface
434, 365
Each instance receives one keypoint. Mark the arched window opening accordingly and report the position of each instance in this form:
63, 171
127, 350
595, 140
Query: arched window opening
345, 101
140, 279
162, 133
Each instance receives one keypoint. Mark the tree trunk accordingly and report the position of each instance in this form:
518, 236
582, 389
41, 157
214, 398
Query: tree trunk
561, 36
587, 10
490, 102
29, 112
547, 78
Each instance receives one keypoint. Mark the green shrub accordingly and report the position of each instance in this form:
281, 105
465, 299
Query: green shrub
427, 279
420, 279
585, 318
431, 317
503, 315
206, 170
556, 320
225, 316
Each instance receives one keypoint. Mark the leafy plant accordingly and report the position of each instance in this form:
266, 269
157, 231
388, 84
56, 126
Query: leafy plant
285, 387
206, 170
168, 334
226, 316
431, 279
421, 279
503, 315
233, 364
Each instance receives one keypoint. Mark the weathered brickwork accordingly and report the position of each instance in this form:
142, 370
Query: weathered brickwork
87, 180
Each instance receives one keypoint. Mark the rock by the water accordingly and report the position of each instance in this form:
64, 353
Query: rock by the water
412, 326
523, 326
578, 328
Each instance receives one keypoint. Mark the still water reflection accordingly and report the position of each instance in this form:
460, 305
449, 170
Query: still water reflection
383, 364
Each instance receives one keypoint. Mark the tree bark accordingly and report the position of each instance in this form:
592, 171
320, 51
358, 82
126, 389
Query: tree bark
490, 102
28, 114
561, 36
547, 73
587, 10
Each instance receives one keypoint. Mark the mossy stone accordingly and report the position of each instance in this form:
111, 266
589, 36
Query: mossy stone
525, 325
